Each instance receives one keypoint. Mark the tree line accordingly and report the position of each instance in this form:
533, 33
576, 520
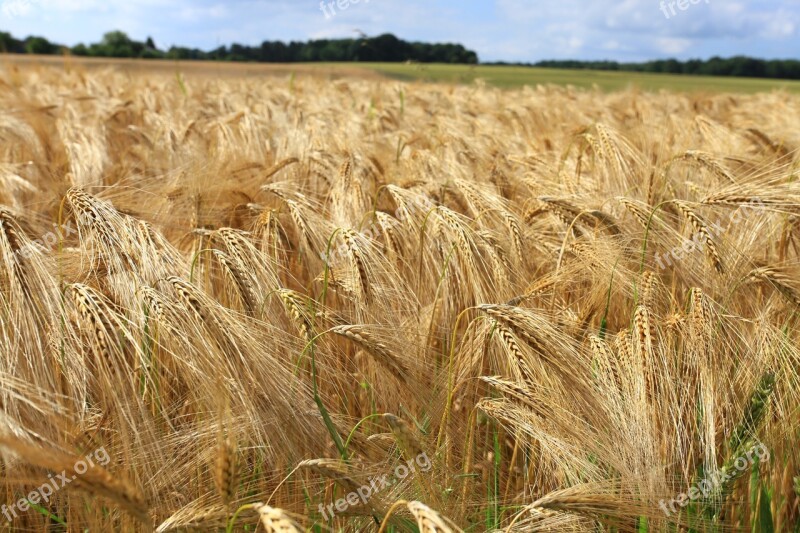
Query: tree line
383, 48
740, 66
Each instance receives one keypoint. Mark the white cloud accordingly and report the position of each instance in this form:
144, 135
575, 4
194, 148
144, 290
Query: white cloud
777, 28
672, 45
198, 13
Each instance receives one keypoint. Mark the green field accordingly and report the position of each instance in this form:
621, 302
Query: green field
503, 76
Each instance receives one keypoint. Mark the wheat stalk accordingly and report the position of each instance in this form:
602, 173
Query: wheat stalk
428, 520
277, 520
225, 469
702, 228
361, 336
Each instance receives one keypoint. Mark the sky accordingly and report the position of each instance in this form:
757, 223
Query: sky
509, 30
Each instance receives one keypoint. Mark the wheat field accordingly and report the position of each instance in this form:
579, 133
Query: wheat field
559, 309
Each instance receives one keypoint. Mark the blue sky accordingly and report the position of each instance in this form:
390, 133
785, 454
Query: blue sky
514, 30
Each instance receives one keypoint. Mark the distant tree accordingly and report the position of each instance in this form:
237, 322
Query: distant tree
151, 53
672, 66
692, 66
386, 47
715, 66
117, 44
177, 52
180, 52
240, 53
79, 50
747, 66
40, 45
220, 53
10, 45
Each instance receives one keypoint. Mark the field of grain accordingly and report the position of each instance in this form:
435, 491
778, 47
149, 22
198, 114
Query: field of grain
508, 77
288, 303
